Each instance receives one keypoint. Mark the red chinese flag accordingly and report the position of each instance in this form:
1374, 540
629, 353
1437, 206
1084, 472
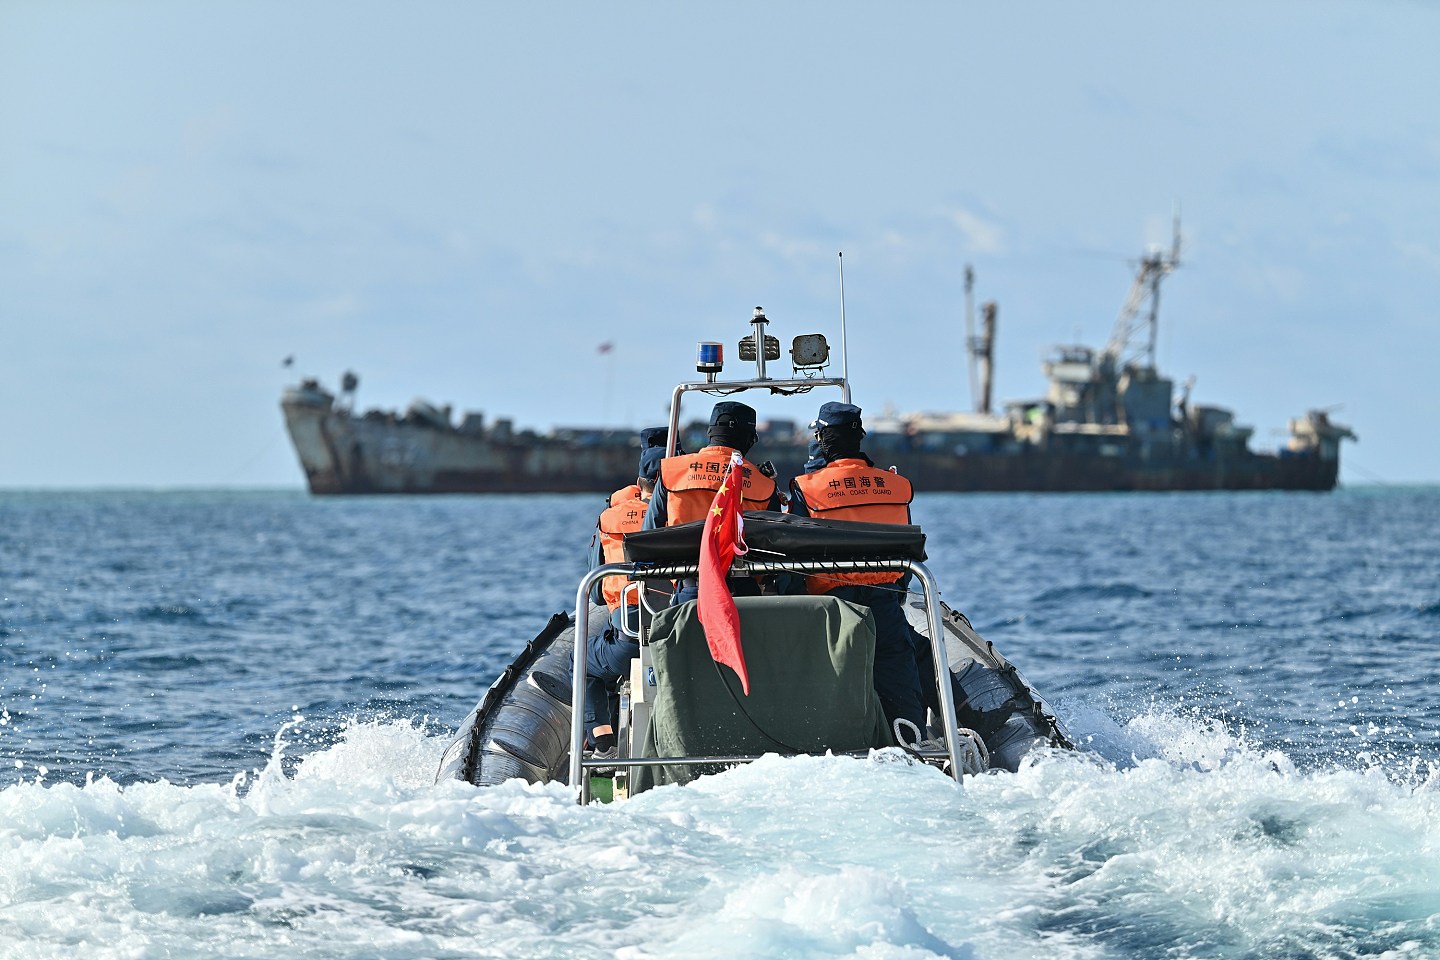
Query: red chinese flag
722, 540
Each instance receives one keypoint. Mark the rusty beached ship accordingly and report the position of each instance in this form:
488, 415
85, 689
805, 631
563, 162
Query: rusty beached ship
1109, 421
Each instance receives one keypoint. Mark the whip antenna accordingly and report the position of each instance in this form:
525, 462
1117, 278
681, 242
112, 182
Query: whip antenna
844, 354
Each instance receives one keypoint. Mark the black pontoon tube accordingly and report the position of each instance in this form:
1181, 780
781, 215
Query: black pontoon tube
580, 782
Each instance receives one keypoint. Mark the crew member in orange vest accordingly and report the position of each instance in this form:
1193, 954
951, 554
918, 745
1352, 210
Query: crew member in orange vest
844, 484
608, 655
688, 483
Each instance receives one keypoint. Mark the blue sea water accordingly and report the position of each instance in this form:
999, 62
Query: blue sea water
221, 714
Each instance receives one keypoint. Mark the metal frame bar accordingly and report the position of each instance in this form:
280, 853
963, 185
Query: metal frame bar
736, 386
580, 782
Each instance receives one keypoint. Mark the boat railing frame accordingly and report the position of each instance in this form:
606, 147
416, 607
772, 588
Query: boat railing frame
580, 767
786, 386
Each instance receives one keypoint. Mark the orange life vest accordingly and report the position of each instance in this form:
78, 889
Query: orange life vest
615, 524
851, 489
631, 492
691, 480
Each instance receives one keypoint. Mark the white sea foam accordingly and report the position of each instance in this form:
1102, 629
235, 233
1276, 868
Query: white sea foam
1195, 845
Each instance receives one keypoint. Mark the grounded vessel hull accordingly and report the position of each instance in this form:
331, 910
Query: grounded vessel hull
342, 453
1077, 473
346, 454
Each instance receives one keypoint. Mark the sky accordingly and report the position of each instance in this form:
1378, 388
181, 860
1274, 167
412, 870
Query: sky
462, 201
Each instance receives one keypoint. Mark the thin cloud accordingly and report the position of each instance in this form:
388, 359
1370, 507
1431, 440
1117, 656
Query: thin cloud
980, 235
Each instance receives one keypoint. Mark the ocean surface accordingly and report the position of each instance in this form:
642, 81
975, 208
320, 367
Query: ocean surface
221, 716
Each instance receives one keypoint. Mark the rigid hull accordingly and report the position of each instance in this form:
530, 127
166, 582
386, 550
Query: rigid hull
519, 728
799, 652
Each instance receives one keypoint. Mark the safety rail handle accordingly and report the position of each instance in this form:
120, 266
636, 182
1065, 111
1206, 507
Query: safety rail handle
931, 589
633, 588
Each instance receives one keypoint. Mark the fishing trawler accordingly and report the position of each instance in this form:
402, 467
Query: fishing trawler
1108, 421
680, 715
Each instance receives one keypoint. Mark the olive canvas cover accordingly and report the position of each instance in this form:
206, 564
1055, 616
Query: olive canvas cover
811, 662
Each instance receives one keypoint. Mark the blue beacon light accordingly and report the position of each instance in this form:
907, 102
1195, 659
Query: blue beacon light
710, 358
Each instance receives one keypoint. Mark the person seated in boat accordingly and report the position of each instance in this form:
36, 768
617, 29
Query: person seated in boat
609, 652
650, 437
814, 458
845, 484
688, 482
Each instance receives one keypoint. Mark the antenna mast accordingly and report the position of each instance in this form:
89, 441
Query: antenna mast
844, 353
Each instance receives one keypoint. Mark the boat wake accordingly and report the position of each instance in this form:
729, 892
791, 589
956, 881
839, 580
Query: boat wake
1170, 836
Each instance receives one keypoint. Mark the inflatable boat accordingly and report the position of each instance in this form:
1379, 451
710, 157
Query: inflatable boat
809, 658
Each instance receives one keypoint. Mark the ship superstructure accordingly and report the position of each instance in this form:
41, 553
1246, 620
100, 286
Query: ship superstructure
1109, 420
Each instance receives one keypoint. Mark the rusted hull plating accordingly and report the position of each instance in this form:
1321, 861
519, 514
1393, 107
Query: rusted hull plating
344, 454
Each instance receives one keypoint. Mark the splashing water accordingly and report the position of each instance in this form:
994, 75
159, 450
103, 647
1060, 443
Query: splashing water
1210, 849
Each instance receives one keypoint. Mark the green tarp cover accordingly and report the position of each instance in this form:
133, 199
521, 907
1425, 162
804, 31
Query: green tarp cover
810, 661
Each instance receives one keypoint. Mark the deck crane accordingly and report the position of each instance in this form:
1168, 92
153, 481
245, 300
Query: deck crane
1133, 339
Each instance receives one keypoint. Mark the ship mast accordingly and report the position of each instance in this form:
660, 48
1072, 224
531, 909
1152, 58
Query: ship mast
970, 331
980, 349
1133, 339
986, 352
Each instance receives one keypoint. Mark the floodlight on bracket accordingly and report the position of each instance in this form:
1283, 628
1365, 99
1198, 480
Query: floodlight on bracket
809, 353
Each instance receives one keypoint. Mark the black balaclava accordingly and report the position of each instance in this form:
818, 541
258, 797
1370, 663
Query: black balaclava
732, 424
840, 443
838, 431
738, 437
